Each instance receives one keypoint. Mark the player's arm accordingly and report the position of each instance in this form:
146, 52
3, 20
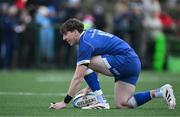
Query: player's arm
73, 88
77, 79
75, 82
83, 59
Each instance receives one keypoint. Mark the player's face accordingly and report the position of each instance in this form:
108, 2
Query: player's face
71, 37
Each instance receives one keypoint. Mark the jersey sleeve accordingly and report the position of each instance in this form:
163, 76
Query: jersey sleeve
84, 53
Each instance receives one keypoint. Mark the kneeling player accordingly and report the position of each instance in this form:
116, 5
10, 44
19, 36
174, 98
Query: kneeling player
107, 54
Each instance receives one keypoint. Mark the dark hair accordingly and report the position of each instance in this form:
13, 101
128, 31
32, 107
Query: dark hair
71, 25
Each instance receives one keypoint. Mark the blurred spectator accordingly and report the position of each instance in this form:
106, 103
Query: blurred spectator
20, 4
167, 22
121, 20
26, 44
99, 17
88, 21
139, 22
153, 28
151, 6
65, 54
153, 24
9, 36
52, 15
46, 42
72, 9
3, 15
136, 27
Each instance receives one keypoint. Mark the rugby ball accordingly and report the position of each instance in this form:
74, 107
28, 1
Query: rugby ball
80, 101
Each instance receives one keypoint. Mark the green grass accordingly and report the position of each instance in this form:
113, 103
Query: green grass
28, 93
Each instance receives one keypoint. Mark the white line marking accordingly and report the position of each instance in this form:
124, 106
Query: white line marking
31, 94
36, 94
51, 78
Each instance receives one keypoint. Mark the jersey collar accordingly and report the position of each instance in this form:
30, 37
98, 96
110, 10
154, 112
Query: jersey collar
82, 33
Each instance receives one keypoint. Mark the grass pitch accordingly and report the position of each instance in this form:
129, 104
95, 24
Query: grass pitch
28, 93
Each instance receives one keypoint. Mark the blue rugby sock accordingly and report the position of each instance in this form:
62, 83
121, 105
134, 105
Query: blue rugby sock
92, 81
142, 97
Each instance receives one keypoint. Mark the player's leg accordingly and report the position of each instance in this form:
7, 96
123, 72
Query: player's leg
126, 71
122, 93
98, 65
91, 79
125, 87
125, 97
124, 90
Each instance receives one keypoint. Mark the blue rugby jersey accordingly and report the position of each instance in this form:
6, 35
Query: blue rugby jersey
96, 42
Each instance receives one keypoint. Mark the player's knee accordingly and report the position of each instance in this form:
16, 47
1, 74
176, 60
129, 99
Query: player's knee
123, 105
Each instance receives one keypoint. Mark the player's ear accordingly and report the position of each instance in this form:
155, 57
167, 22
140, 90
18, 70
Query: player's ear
76, 33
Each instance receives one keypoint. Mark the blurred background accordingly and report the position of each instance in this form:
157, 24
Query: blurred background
30, 38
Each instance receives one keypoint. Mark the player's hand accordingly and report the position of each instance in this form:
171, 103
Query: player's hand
57, 105
85, 91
